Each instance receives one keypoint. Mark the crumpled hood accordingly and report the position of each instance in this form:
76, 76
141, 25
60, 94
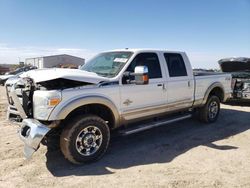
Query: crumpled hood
42, 75
239, 64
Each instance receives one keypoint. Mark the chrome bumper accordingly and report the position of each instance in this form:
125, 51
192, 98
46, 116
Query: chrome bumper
246, 95
31, 133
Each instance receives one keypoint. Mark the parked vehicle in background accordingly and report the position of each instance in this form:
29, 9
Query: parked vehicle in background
15, 73
128, 90
240, 70
4, 69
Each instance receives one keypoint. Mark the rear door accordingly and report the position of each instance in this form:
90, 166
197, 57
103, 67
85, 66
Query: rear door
180, 83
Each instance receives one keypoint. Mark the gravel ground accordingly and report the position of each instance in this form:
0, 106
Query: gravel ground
183, 154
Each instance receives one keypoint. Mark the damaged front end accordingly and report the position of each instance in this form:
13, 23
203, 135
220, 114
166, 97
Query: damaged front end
30, 105
20, 97
31, 132
241, 86
33, 97
240, 70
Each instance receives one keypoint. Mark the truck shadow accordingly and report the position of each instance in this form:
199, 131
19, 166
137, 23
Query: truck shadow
238, 103
159, 145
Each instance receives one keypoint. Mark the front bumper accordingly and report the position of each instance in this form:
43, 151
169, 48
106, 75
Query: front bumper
244, 95
31, 133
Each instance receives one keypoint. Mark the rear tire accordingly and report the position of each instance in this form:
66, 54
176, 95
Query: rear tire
85, 139
210, 111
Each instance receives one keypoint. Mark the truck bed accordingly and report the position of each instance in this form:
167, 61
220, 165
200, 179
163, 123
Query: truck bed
205, 79
204, 73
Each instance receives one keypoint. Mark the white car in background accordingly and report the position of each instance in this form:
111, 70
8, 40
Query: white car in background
16, 73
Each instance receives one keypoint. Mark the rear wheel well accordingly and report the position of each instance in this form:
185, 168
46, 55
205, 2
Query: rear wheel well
217, 91
100, 110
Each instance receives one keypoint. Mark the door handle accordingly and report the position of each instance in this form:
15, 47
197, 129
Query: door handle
161, 85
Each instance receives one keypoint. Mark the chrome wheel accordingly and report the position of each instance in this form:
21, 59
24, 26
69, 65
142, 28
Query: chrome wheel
213, 109
89, 140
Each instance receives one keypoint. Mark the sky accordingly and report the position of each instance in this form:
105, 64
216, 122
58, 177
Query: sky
207, 30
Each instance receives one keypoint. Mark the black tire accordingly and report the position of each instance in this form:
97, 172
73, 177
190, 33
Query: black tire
52, 140
3, 82
208, 112
75, 140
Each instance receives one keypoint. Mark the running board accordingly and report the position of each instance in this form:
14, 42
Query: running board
151, 125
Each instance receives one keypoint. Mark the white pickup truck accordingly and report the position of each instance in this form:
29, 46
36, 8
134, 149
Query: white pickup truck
128, 90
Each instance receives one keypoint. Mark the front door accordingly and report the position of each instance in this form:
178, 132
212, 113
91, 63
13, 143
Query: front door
142, 100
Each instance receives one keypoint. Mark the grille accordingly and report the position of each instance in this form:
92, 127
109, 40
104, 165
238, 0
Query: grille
18, 93
12, 111
23, 93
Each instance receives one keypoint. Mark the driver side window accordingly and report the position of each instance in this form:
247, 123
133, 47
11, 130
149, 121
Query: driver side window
147, 59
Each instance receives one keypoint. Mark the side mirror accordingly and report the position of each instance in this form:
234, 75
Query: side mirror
141, 75
138, 77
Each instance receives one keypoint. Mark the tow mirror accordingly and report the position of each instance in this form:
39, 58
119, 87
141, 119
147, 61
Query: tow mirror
141, 75
138, 77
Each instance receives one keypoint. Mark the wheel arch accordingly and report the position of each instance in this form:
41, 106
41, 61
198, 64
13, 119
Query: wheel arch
216, 89
96, 105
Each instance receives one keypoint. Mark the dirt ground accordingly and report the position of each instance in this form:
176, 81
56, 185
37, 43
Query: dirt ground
184, 154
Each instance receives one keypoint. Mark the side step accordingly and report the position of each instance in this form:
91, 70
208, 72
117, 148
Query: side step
146, 126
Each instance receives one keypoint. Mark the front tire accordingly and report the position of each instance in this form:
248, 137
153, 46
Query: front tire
3, 82
210, 111
85, 139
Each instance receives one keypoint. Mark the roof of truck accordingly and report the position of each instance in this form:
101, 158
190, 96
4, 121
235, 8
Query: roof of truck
146, 50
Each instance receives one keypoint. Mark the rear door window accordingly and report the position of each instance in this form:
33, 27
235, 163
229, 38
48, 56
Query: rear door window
176, 65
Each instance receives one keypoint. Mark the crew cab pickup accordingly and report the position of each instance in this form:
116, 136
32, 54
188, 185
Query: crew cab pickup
128, 90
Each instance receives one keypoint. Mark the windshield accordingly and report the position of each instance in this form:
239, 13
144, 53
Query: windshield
107, 64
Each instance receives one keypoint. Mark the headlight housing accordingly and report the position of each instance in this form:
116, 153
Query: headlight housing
44, 102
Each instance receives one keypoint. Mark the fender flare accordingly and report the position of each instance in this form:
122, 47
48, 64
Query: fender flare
210, 88
62, 111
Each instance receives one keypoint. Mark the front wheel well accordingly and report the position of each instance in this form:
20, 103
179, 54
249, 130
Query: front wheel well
100, 110
217, 91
